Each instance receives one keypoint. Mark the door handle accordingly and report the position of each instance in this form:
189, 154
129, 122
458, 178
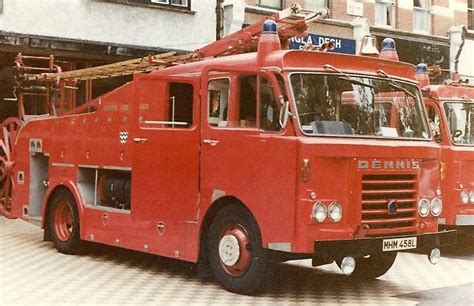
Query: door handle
141, 140
211, 142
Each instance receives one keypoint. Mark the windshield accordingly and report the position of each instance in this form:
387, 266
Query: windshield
335, 104
460, 117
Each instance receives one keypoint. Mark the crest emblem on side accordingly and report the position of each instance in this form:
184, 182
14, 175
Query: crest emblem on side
123, 136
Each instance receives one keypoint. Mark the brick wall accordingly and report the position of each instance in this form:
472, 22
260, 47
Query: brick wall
445, 13
404, 19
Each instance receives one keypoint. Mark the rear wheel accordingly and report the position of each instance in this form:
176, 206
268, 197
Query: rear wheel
63, 221
236, 256
373, 266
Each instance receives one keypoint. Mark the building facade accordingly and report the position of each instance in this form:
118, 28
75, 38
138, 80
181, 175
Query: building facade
437, 32
86, 33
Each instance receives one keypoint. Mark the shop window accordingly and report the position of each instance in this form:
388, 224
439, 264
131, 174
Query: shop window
384, 13
274, 4
421, 16
470, 14
315, 5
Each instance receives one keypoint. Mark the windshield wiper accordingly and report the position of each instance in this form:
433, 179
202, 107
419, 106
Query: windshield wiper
346, 77
394, 84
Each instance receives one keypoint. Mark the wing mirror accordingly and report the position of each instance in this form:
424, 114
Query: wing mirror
284, 112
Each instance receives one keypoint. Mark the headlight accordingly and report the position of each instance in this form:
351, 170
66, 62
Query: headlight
320, 212
335, 212
436, 207
464, 197
471, 196
424, 207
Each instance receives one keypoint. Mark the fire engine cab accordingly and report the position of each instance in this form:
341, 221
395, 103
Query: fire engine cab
450, 110
240, 162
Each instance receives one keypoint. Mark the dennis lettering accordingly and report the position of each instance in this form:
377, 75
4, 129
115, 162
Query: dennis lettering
388, 164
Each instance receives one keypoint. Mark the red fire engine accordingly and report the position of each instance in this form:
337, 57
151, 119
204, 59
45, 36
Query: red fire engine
237, 162
450, 110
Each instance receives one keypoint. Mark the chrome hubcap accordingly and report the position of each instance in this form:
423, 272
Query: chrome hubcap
229, 250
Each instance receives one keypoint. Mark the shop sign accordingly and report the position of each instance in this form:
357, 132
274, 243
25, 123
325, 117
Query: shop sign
341, 45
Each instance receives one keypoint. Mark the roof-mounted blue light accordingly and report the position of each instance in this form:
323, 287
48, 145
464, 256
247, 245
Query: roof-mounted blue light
422, 68
388, 44
269, 27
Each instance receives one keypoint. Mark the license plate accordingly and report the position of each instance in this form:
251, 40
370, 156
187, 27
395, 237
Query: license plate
396, 244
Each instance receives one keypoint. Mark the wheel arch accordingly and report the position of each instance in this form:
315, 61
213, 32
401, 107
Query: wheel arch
65, 186
209, 217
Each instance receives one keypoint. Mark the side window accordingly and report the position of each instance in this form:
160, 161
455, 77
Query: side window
433, 119
218, 102
273, 4
269, 109
248, 101
253, 93
180, 110
172, 106
255, 90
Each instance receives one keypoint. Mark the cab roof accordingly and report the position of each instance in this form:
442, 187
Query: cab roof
449, 92
291, 60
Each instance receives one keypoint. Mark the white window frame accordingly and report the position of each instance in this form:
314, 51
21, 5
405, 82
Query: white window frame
266, 4
422, 17
183, 5
320, 4
384, 13
170, 3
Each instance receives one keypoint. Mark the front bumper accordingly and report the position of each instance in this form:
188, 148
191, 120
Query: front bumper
327, 251
465, 220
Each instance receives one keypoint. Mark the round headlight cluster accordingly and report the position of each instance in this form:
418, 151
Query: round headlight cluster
466, 197
321, 212
436, 207
335, 212
425, 207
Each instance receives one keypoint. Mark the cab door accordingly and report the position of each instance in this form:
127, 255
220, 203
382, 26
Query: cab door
246, 154
165, 167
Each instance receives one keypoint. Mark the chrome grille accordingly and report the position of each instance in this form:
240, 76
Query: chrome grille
380, 189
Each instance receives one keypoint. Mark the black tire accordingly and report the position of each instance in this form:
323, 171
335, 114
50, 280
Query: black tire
374, 266
63, 223
244, 269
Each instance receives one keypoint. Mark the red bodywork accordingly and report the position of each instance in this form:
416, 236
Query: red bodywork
457, 159
180, 175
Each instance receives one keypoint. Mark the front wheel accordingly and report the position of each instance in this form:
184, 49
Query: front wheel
373, 266
236, 256
63, 222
